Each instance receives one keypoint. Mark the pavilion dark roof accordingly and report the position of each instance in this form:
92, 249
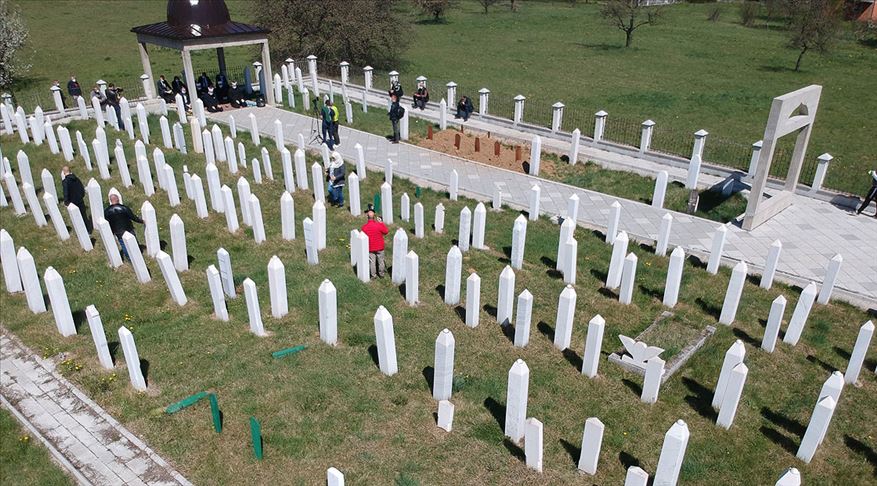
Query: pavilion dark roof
191, 32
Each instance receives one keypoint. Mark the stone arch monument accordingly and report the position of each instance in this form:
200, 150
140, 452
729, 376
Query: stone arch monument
791, 112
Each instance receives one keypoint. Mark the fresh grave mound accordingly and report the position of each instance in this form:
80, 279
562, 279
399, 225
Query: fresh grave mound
443, 141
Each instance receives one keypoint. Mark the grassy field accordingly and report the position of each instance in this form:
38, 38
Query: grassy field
22, 458
332, 407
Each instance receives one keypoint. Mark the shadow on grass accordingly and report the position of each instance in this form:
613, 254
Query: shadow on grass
609, 294
78, 319
745, 337
497, 411
574, 451
599, 274
784, 422
514, 449
776, 437
548, 262
573, 358
822, 364
144, 368
696, 262
627, 460
114, 346
860, 447
710, 309
655, 294
634, 387
843, 353
509, 332
701, 400
461, 313
162, 245
429, 376
440, 290
555, 274
373, 352
546, 330
490, 309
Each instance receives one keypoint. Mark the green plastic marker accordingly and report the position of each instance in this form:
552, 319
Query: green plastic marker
287, 351
214, 411
377, 203
186, 402
256, 435
417, 192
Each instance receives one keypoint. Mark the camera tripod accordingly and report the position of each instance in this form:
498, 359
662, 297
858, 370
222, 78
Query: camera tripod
316, 136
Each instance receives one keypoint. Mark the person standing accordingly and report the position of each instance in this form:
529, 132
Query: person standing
113, 100
335, 137
336, 175
396, 113
326, 115
121, 219
73, 88
375, 229
872, 193
74, 193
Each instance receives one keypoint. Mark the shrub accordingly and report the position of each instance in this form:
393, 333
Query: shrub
748, 12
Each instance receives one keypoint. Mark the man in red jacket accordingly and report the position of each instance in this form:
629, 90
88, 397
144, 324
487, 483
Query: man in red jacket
375, 229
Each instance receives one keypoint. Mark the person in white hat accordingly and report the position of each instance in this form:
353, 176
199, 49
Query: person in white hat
872, 193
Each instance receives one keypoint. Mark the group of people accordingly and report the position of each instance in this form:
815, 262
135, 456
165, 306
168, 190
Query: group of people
329, 117
421, 98
213, 96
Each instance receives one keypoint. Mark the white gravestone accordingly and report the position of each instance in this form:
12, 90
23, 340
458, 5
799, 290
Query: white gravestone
317, 178
774, 320
132, 359
533, 443
523, 318
453, 185
505, 296
31, 195
664, 235
570, 255
479, 221
672, 454
231, 214
30, 279
178, 243
473, 300
173, 192
301, 175
171, 278
770, 267
122, 165
277, 288
519, 241
816, 429
717, 247
735, 355
214, 282
535, 155
674, 277
58, 300
318, 212
516, 400
733, 294
200, 199
253, 312
652, 380
213, 188
225, 272
136, 257
180, 139
660, 189
566, 307
616, 263
439, 222
144, 173
244, 199
327, 297
800, 315
628, 278
92, 316
866, 332
453, 269
446, 415
55, 216
387, 203
592, 441
109, 242
535, 201
287, 216
593, 345
150, 232
614, 219
334, 477
388, 171
733, 392
831, 274
360, 162
465, 231
230, 156
789, 478
412, 278
355, 200
286, 164
405, 207
400, 251
256, 213
386, 342
15, 194
443, 371
311, 241
79, 227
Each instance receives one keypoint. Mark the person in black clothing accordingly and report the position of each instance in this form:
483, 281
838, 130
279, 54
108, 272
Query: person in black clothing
120, 218
464, 108
74, 193
396, 113
73, 88
60, 92
113, 100
396, 90
101, 98
177, 84
236, 96
210, 102
165, 90
204, 83
221, 88
871, 195
421, 96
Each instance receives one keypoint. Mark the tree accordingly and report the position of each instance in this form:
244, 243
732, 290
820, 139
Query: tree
13, 35
487, 3
436, 8
372, 33
813, 25
629, 15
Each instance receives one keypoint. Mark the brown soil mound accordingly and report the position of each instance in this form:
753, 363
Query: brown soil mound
443, 141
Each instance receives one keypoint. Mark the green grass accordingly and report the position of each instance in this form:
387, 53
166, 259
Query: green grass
332, 407
22, 459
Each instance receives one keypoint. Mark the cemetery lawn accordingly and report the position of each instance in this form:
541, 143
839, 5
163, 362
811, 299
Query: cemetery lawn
23, 460
329, 406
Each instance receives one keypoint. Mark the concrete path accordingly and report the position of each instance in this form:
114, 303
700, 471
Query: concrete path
811, 231
80, 435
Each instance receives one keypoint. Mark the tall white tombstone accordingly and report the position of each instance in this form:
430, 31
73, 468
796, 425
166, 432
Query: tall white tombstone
386, 342
770, 267
24, 167
256, 213
173, 192
454, 185
535, 155
58, 300
473, 300
198, 196
15, 195
132, 359
816, 429
505, 296
388, 171
301, 175
733, 392
387, 202
519, 241
443, 372
566, 307
178, 243
353, 193
197, 136
453, 269
674, 277
166, 139
79, 227
592, 441
360, 162
866, 332
136, 257
334, 477
672, 454
800, 314
445, 415
791, 477
144, 173
628, 278
833, 386
496, 202
593, 345
253, 311
244, 193
774, 320
318, 212
717, 247
54, 214
439, 222
535, 201
30, 279
664, 235
660, 189
158, 160
254, 130
142, 123
287, 216
311, 241
533, 444
150, 232
614, 219
735, 355
214, 187
214, 282
636, 477
36, 210
400, 251
405, 207
180, 139
523, 319
328, 304
733, 293
465, 232
99, 337
50, 137
616, 264
225, 272
412, 278
831, 274
48, 183
171, 278
109, 242
11, 275
277, 287
230, 156
66, 143
572, 207
479, 221
317, 177
652, 381
516, 400
286, 164
570, 255
231, 214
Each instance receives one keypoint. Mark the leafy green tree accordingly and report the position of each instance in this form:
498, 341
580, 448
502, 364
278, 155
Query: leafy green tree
13, 36
813, 25
436, 8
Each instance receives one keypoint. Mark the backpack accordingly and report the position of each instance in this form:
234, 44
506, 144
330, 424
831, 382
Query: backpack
398, 112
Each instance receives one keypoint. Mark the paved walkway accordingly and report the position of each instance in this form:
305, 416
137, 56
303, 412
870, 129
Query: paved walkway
811, 231
80, 435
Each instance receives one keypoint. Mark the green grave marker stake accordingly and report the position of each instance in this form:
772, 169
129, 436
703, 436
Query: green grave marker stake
417, 192
287, 351
214, 412
256, 435
377, 203
186, 402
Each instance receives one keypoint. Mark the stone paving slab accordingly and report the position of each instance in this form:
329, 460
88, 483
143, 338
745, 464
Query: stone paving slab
81, 436
805, 254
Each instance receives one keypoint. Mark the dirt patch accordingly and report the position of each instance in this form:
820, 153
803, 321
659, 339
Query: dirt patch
444, 141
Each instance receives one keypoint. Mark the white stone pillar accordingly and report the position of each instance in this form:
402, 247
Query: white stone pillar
770, 267
225, 272
132, 359
733, 392
310, 241
443, 371
439, 222
616, 263
833, 386
253, 311
452, 95
735, 355
789, 478
412, 278
50, 136
569, 266
674, 277
403, 126
519, 241
51, 206
405, 207
636, 477
519, 109
318, 213
660, 189
716, 248
664, 235
445, 415
516, 400
733, 293
100, 339
287, 216
198, 196
11, 275
354, 196
300, 170
30, 279
151, 228
774, 319
171, 278
312, 71
453, 185
566, 308
142, 123
592, 441
652, 381
58, 300
386, 342
672, 454
214, 282
453, 267
178, 244
277, 287
535, 155
599, 125
443, 114
79, 227
387, 202
612, 224
254, 130
15, 195
36, 210
136, 257
821, 169
628, 278
866, 332
753, 160
505, 296
400, 251
256, 214
693, 173
816, 429
699, 142
483, 99
473, 300
523, 319
66, 143
465, 232
557, 116
230, 156
218, 143
535, 202
593, 344
831, 274
800, 315
645, 140
533, 444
